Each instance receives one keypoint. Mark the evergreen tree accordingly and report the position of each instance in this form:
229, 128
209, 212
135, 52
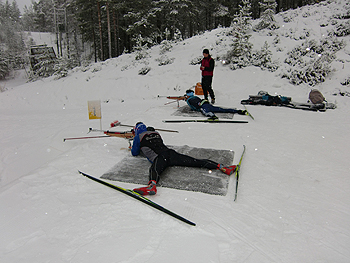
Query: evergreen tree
88, 23
44, 16
11, 40
240, 54
267, 18
174, 16
28, 19
263, 58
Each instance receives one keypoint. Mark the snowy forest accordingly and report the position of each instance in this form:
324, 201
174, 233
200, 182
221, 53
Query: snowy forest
113, 27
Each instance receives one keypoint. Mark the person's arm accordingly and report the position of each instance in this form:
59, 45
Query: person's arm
135, 150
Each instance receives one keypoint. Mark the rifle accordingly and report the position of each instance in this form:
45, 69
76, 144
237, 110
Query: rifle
176, 99
126, 135
79, 138
118, 123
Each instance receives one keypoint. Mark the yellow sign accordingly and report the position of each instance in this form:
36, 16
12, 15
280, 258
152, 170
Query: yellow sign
94, 108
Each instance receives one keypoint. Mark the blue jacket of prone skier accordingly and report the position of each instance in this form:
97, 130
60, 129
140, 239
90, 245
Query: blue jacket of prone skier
148, 141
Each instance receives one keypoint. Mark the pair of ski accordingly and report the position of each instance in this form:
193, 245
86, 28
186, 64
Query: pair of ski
149, 202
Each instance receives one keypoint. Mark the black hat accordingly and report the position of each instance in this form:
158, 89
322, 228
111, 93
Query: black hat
206, 51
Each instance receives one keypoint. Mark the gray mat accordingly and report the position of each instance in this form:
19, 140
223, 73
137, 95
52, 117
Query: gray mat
135, 170
187, 112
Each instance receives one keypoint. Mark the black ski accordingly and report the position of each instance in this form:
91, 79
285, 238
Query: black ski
140, 198
205, 120
237, 172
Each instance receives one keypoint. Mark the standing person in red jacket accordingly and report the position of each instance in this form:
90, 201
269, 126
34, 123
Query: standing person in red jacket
207, 68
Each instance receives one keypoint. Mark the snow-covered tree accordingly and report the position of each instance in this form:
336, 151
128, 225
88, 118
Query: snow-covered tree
267, 18
11, 39
44, 16
263, 58
311, 61
3, 66
240, 54
176, 16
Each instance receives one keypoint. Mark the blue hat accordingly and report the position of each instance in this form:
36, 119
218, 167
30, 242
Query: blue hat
189, 92
139, 128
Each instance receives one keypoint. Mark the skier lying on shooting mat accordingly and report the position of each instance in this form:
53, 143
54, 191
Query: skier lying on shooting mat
198, 104
150, 143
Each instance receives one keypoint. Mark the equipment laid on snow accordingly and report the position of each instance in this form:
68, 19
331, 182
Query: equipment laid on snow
316, 101
316, 97
263, 98
140, 198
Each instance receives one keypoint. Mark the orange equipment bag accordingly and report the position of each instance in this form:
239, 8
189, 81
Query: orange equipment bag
198, 89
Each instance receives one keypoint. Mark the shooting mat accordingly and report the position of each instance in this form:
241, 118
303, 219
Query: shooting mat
135, 170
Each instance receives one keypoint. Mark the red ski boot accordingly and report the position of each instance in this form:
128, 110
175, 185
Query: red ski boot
151, 189
228, 170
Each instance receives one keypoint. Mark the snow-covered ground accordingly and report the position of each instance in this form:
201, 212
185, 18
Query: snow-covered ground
294, 194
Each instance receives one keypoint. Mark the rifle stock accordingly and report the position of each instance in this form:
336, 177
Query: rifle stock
125, 135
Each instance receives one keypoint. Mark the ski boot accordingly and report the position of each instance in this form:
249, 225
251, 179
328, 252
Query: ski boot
213, 118
242, 112
151, 189
227, 169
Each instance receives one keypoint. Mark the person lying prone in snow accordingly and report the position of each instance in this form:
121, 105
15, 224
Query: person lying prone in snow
148, 141
207, 109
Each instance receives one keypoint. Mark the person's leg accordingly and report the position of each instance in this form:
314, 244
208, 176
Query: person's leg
178, 159
210, 89
157, 168
205, 86
222, 110
215, 109
205, 109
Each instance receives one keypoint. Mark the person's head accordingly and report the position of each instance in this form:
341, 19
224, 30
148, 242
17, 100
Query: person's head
189, 93
140, 127
206, 53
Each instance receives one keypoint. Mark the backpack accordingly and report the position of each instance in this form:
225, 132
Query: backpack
316, 97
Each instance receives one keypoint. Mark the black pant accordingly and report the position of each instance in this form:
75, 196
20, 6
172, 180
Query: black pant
206, 86
173, 158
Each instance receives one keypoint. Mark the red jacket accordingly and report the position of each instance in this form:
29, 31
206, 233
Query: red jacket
208, 64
